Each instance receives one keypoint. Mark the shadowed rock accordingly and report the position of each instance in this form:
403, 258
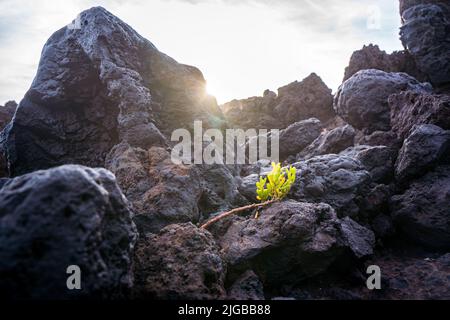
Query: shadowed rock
182, 262
70, 215
411, 108
425, 33
100, 85
422, 150
292, 241
422, 212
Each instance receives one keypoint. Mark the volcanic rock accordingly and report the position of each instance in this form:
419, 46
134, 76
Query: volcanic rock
338, 180
332, 141
425, 34
70, 215
371, 57
422, 212
292, 241
422, 150
362, 100
411, 108
182, 262
98, 86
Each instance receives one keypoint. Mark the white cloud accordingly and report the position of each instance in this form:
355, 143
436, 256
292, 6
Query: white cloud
242, 47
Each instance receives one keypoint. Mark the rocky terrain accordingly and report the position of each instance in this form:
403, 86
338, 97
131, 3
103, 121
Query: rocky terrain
87, 177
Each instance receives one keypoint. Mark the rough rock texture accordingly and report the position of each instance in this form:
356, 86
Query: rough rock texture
424, 148
247, 287
406, 4
422, 212
292, 241
97, 86
371, 57
163, 192
412, 277
334, 179
411, 108
333, 141
6, 113
182, 262
380, 138
362, 100
378, 160
253, 112
52, 219
425, 33
310, 98
297, 136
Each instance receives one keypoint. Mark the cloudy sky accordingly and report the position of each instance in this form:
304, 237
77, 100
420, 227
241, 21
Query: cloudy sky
242, 46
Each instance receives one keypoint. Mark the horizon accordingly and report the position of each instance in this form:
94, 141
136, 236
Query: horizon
239, 54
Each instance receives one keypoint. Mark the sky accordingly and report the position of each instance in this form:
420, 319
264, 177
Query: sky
242, 46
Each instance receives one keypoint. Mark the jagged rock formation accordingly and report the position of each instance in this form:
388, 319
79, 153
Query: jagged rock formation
69, 215
98, 86
297, 101
371, 57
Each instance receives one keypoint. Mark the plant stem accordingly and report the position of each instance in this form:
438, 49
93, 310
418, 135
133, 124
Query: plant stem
229, 213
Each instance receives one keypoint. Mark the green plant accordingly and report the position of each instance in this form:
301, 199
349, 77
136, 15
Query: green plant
277, 184
270, 189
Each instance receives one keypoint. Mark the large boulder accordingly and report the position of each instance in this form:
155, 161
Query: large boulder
338, 180
424, 148
70, 215
362, 100
422, 212
371, 57
100, 85
182, 262
297, 101
424, 33
332, 141
292, 241
411, 108
297, 136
